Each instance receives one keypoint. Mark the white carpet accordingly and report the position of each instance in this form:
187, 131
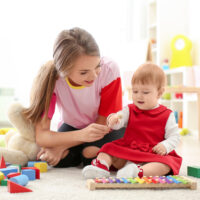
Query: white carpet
68, 184
59, 184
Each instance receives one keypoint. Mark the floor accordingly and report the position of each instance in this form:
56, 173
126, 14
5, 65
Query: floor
189, 149
67, 183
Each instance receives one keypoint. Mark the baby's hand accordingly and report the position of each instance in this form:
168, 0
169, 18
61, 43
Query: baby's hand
159, 149
113, 119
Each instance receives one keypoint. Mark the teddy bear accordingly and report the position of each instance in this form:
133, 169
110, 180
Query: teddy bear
20, 145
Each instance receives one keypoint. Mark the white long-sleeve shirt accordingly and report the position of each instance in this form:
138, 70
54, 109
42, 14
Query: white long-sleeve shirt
172, 136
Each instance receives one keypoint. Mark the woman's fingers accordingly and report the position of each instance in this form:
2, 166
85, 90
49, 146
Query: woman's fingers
40, 153
54, 162
44, 157
94, 132
47, 158
101, 128
51, 155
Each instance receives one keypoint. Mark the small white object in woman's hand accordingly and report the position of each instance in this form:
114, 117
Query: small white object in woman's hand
42, 156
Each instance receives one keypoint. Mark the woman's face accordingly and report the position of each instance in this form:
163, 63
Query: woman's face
85, 71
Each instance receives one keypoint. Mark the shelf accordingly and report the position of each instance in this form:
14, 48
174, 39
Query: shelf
153, 26
177, 70
151, 2
162, 20
179, 100
190, 115
182, 89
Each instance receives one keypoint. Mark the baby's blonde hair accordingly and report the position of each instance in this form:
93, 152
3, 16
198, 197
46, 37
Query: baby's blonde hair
149, 73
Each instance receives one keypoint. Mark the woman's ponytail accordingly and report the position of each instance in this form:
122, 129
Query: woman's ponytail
69, 45
41, 92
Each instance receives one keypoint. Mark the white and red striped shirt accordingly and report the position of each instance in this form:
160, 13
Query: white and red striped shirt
80, 106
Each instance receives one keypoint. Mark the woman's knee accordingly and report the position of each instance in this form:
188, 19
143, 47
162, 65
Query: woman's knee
118, 163
90, 151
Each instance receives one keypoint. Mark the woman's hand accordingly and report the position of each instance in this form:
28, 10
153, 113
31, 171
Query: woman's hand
94, 132
51, 155
159, 149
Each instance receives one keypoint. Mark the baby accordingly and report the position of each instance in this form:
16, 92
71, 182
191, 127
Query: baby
147, 147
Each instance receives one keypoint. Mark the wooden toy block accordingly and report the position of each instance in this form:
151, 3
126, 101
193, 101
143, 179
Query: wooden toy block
42, 166
21, 179
32, 163
7, 164
1, 176
13, 174
37, 171
16, 188
18, 167
4, 182
30, 173
165, 182
7, 171
193, 171
2, 163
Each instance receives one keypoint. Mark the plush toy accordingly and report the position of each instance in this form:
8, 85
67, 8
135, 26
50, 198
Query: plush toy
20, 144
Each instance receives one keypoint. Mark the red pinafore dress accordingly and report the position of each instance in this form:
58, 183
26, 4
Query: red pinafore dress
145, 129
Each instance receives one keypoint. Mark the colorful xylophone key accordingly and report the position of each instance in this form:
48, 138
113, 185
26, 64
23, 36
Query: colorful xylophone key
124, 180
173, 179
144, 182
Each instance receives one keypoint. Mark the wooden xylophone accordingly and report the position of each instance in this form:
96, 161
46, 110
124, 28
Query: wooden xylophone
159, 182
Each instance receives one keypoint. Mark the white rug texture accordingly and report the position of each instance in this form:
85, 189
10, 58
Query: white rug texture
60, 184
68, 184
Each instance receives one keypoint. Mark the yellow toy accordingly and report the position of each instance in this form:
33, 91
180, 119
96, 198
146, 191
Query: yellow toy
3, 131
20, 143
166, 96
1, 176
42, 166
181, 52
184, 131
2, 142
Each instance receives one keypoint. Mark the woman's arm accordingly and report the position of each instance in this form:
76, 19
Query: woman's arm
101, 120
47, 138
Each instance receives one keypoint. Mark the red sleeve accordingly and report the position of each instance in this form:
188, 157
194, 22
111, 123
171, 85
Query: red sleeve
52, 106
111, 98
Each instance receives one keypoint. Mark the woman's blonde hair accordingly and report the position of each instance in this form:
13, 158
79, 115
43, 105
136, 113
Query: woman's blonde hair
69, 45
149, 73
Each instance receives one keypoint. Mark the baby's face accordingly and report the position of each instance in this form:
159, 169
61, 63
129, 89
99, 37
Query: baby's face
145, 96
